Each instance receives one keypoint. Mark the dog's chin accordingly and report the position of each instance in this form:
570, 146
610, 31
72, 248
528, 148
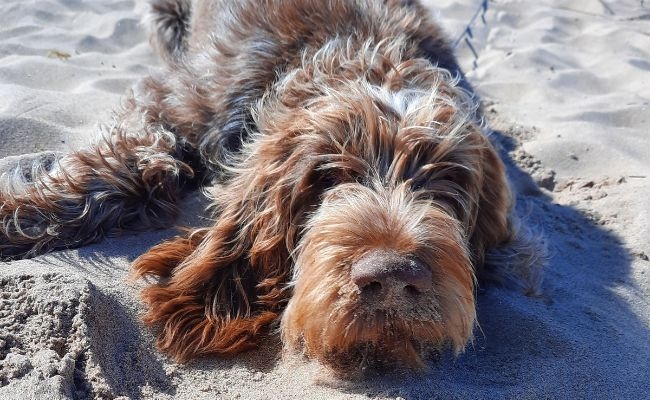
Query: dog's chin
366, 359
380, 343
375, 345
354, 341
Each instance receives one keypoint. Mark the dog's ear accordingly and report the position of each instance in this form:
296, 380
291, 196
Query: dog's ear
221, 287
210, 298
506, 251
214, 295
492, 226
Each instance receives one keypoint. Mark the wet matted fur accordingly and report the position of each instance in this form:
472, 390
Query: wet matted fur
356, 194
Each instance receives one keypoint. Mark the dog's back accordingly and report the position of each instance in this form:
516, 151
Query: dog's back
179, 26
232, 53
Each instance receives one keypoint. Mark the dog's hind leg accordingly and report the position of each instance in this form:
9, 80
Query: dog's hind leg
131, 178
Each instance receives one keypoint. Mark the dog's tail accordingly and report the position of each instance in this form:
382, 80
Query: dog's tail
168, 22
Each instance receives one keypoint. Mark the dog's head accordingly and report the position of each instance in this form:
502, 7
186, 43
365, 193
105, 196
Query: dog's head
382, 275
392, 193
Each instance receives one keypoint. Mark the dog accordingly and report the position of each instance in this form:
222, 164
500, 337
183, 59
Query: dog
357, 194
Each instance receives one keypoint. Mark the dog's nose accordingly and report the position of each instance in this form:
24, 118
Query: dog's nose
383, 272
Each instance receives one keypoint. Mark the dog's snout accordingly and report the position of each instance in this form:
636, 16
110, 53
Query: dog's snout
386, 272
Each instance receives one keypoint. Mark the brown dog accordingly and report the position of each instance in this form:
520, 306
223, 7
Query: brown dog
356, 194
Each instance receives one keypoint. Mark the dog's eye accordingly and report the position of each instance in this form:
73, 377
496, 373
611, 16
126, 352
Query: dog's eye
418, 184
326, 180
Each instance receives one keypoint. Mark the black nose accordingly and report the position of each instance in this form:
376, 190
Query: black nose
381, 272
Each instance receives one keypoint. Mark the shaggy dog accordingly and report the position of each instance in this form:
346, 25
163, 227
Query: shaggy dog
356, 195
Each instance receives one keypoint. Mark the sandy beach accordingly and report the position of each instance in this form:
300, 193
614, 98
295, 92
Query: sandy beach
566, 87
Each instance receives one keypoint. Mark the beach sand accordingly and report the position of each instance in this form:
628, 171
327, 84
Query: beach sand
566, 86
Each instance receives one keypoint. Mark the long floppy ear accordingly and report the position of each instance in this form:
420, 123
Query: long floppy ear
212, 296
221, 287
506, 250
492, 226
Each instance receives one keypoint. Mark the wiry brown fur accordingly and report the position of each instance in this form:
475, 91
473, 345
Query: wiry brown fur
333, 131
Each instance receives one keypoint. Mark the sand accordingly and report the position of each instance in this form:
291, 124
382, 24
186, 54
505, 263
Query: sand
566, 85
